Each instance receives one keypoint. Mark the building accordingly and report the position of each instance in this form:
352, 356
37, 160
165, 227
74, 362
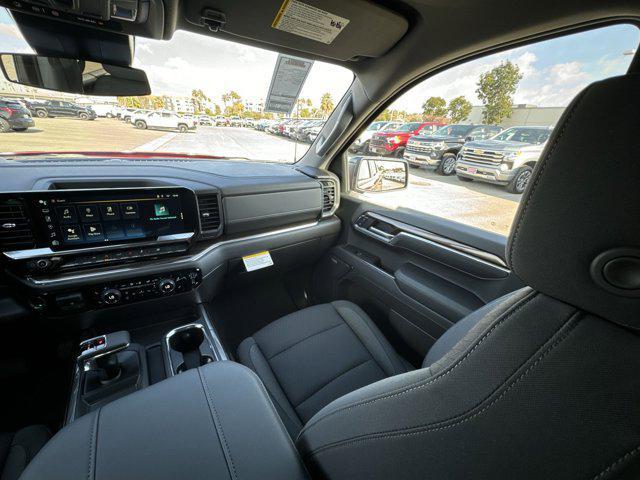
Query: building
523, 114
256, 106
179, 104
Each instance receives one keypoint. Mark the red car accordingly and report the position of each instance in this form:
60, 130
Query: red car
392, 143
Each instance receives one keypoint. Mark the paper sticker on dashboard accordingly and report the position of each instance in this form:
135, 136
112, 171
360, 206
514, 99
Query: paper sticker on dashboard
257, 261
308, 21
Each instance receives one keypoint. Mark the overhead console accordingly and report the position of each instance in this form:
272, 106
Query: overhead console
129, 17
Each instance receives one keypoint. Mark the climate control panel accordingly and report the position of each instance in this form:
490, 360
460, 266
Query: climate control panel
116, 293
137, 289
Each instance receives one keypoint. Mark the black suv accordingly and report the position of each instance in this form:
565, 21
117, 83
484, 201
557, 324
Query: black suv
59, 108
14, 116
440, 149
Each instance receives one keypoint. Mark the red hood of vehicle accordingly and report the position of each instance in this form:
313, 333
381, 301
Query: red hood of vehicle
393, 134
119, 154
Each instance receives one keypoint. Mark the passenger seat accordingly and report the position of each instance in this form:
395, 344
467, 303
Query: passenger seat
18, 449
311, 357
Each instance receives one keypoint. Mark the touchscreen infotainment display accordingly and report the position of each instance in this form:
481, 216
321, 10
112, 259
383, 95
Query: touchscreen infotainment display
88, 218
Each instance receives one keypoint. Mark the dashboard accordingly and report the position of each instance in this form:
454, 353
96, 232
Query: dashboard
81, 235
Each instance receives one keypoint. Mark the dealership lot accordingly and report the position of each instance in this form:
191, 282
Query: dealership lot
71, 134
482, 205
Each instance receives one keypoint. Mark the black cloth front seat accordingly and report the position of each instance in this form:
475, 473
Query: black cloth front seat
311, 357
18, 449
545, 385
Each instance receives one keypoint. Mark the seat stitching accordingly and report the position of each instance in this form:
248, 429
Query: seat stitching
218, 426
619, 460
428, 381
295, 420
332, 380
302, 340
570, 324
362, 341
93, 445
536, 181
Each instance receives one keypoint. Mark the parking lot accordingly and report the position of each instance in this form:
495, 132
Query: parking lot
482, 205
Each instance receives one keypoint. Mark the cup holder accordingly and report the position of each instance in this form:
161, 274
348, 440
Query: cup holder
186, 340
188, 347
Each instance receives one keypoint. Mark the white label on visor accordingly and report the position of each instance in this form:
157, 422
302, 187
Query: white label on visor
308, 21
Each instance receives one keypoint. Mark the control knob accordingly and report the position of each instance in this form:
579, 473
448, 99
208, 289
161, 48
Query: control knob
111, 296
166, 285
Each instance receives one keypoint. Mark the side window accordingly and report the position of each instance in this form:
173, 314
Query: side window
487, 124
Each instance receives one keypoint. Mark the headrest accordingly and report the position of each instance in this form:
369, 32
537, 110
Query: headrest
576, 236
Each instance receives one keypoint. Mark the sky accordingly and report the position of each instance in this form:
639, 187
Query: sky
553, 71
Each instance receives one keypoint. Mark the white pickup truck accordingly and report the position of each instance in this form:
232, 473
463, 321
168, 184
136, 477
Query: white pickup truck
163, 120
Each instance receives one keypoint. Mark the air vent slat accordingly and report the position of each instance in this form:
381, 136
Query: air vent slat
209, 206
329, 189
15, 227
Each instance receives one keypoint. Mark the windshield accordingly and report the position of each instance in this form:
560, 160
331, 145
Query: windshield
376, 126
455, 130
408, 127
208, 99
526, 135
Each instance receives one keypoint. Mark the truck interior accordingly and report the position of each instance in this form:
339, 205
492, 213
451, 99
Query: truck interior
171, 316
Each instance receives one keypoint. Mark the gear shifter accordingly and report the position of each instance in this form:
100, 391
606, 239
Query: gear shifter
103, 346
109, 368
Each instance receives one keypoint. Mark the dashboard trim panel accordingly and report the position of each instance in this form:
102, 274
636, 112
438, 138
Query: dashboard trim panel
177, 263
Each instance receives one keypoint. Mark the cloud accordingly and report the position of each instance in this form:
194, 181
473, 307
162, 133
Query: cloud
10, 30
570, 73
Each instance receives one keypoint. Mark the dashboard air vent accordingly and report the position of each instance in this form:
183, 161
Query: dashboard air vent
209, 206
15, 227
328, 196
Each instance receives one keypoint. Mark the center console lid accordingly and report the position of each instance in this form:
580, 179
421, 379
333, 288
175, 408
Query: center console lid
212, 422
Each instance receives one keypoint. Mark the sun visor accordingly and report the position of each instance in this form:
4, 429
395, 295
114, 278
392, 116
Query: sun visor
337, 29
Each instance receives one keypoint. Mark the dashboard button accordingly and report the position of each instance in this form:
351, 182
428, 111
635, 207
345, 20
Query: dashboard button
166, 285
111, 296
71, 234
130, 210
67, 214
93, 232
133, 229
110, 211
89, 213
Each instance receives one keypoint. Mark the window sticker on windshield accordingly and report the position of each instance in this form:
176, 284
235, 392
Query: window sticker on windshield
308, 21
286, 83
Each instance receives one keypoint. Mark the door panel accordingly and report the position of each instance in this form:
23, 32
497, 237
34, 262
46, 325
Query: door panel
416, 275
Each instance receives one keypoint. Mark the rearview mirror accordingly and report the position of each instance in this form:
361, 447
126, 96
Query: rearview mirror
375, 174
73, 76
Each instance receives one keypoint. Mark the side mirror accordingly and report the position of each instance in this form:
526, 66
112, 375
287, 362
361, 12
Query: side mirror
73, 76
470, 138
376, 174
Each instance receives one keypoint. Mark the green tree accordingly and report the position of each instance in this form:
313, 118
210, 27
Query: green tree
496, 89
200, 100
326, 104
435, 107
230, 97
459, 109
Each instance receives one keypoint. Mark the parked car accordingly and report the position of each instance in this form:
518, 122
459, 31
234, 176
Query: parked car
441, 148
301, 132
107, 110
506, 159
60, 108
393, 142
205, 120
14, 116
164, 121
128, 113
361, 144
